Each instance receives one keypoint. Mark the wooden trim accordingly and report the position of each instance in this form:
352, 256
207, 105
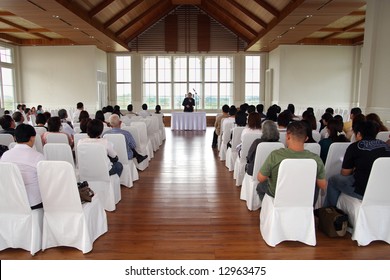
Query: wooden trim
122, 13
101, 6
248, 13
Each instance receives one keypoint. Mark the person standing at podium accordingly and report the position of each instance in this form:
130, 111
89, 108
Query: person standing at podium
189, 103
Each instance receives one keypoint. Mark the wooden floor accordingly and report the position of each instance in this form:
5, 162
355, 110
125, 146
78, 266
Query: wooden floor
186, 206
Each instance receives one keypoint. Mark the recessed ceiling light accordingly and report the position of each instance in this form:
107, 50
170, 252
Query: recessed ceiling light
292, 27
55, 16
309, 16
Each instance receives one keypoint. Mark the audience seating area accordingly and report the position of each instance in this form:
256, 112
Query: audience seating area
64, 220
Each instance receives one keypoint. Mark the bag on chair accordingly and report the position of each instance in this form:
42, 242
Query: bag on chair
332, 221
86, 193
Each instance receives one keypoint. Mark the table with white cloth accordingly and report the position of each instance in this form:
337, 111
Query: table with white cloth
188, 121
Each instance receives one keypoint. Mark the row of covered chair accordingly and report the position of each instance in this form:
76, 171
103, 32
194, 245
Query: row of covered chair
276, 221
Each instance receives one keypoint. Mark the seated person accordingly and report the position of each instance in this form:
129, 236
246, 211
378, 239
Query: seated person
357, 163
26, 158
115, 123
270, 134
54, 126
94, 131
295, 140
8, 125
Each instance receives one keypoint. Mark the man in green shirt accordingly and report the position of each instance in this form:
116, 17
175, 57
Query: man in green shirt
295, 139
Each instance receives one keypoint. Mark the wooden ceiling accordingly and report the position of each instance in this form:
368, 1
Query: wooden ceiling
112, 24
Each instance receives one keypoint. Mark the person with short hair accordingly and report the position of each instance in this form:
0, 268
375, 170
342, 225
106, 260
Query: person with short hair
144, 113
217, 124
295, 139
357, 163
130, 112
76, 114
18, 118
8, 125
94, 131
188, 103
26, 158
115, 124
54, 126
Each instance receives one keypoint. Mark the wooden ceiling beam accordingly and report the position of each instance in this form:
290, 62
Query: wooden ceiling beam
248, 13
283, 14
222, 21
345, 29
96, 24
156, 18
11, 39
122, 13
268, 7
100, 7
135, 20
358, 40
233, 17
21, 28
340, 30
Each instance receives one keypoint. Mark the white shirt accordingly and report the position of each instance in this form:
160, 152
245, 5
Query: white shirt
144, 114
26, 158
66, 128
248, 130
76, 116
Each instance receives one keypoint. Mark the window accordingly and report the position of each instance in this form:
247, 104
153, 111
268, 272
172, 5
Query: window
252, 79
123, 81
7, 77
167, 79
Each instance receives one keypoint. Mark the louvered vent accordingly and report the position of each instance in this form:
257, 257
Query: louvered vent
186, 24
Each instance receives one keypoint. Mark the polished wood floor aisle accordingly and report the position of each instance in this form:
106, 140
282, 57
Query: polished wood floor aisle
186, 206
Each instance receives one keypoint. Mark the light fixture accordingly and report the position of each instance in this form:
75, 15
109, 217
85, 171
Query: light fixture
55, 16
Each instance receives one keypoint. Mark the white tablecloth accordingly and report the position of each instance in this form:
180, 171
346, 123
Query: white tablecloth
188, 121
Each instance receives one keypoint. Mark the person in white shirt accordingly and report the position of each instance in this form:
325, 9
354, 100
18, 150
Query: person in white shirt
66, 126
144, 113
76, 114
26, 158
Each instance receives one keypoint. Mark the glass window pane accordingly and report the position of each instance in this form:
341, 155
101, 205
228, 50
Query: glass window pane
252, 93
5, 54
226, 69
149, 95
7, 88
211, 96
123, 69
180, 91
211, 69
123, 95
164, 95
180, 68
150, 66
226, 94
195, 68
164, 69
252, 68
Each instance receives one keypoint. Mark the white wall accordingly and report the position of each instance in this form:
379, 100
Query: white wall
59, 77
315, 76
375, 93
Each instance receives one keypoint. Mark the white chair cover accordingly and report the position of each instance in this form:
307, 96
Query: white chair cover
130, 173
66, 221
383, 135
316, 135
6, 139
313, 147
154, 132
370, 217
140, 147
40, 130
161, 126
282, 137
38, 144
146, 144
225, 138
289, 216
76, 138
231, 153
239, 166
20, 227
249, 183
334, 161
93, 167
59, 152
57, 138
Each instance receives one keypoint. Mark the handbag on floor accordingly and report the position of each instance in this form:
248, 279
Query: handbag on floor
332, 221
85, 192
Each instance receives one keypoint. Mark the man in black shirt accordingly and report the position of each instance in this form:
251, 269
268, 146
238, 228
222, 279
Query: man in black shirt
358, 160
